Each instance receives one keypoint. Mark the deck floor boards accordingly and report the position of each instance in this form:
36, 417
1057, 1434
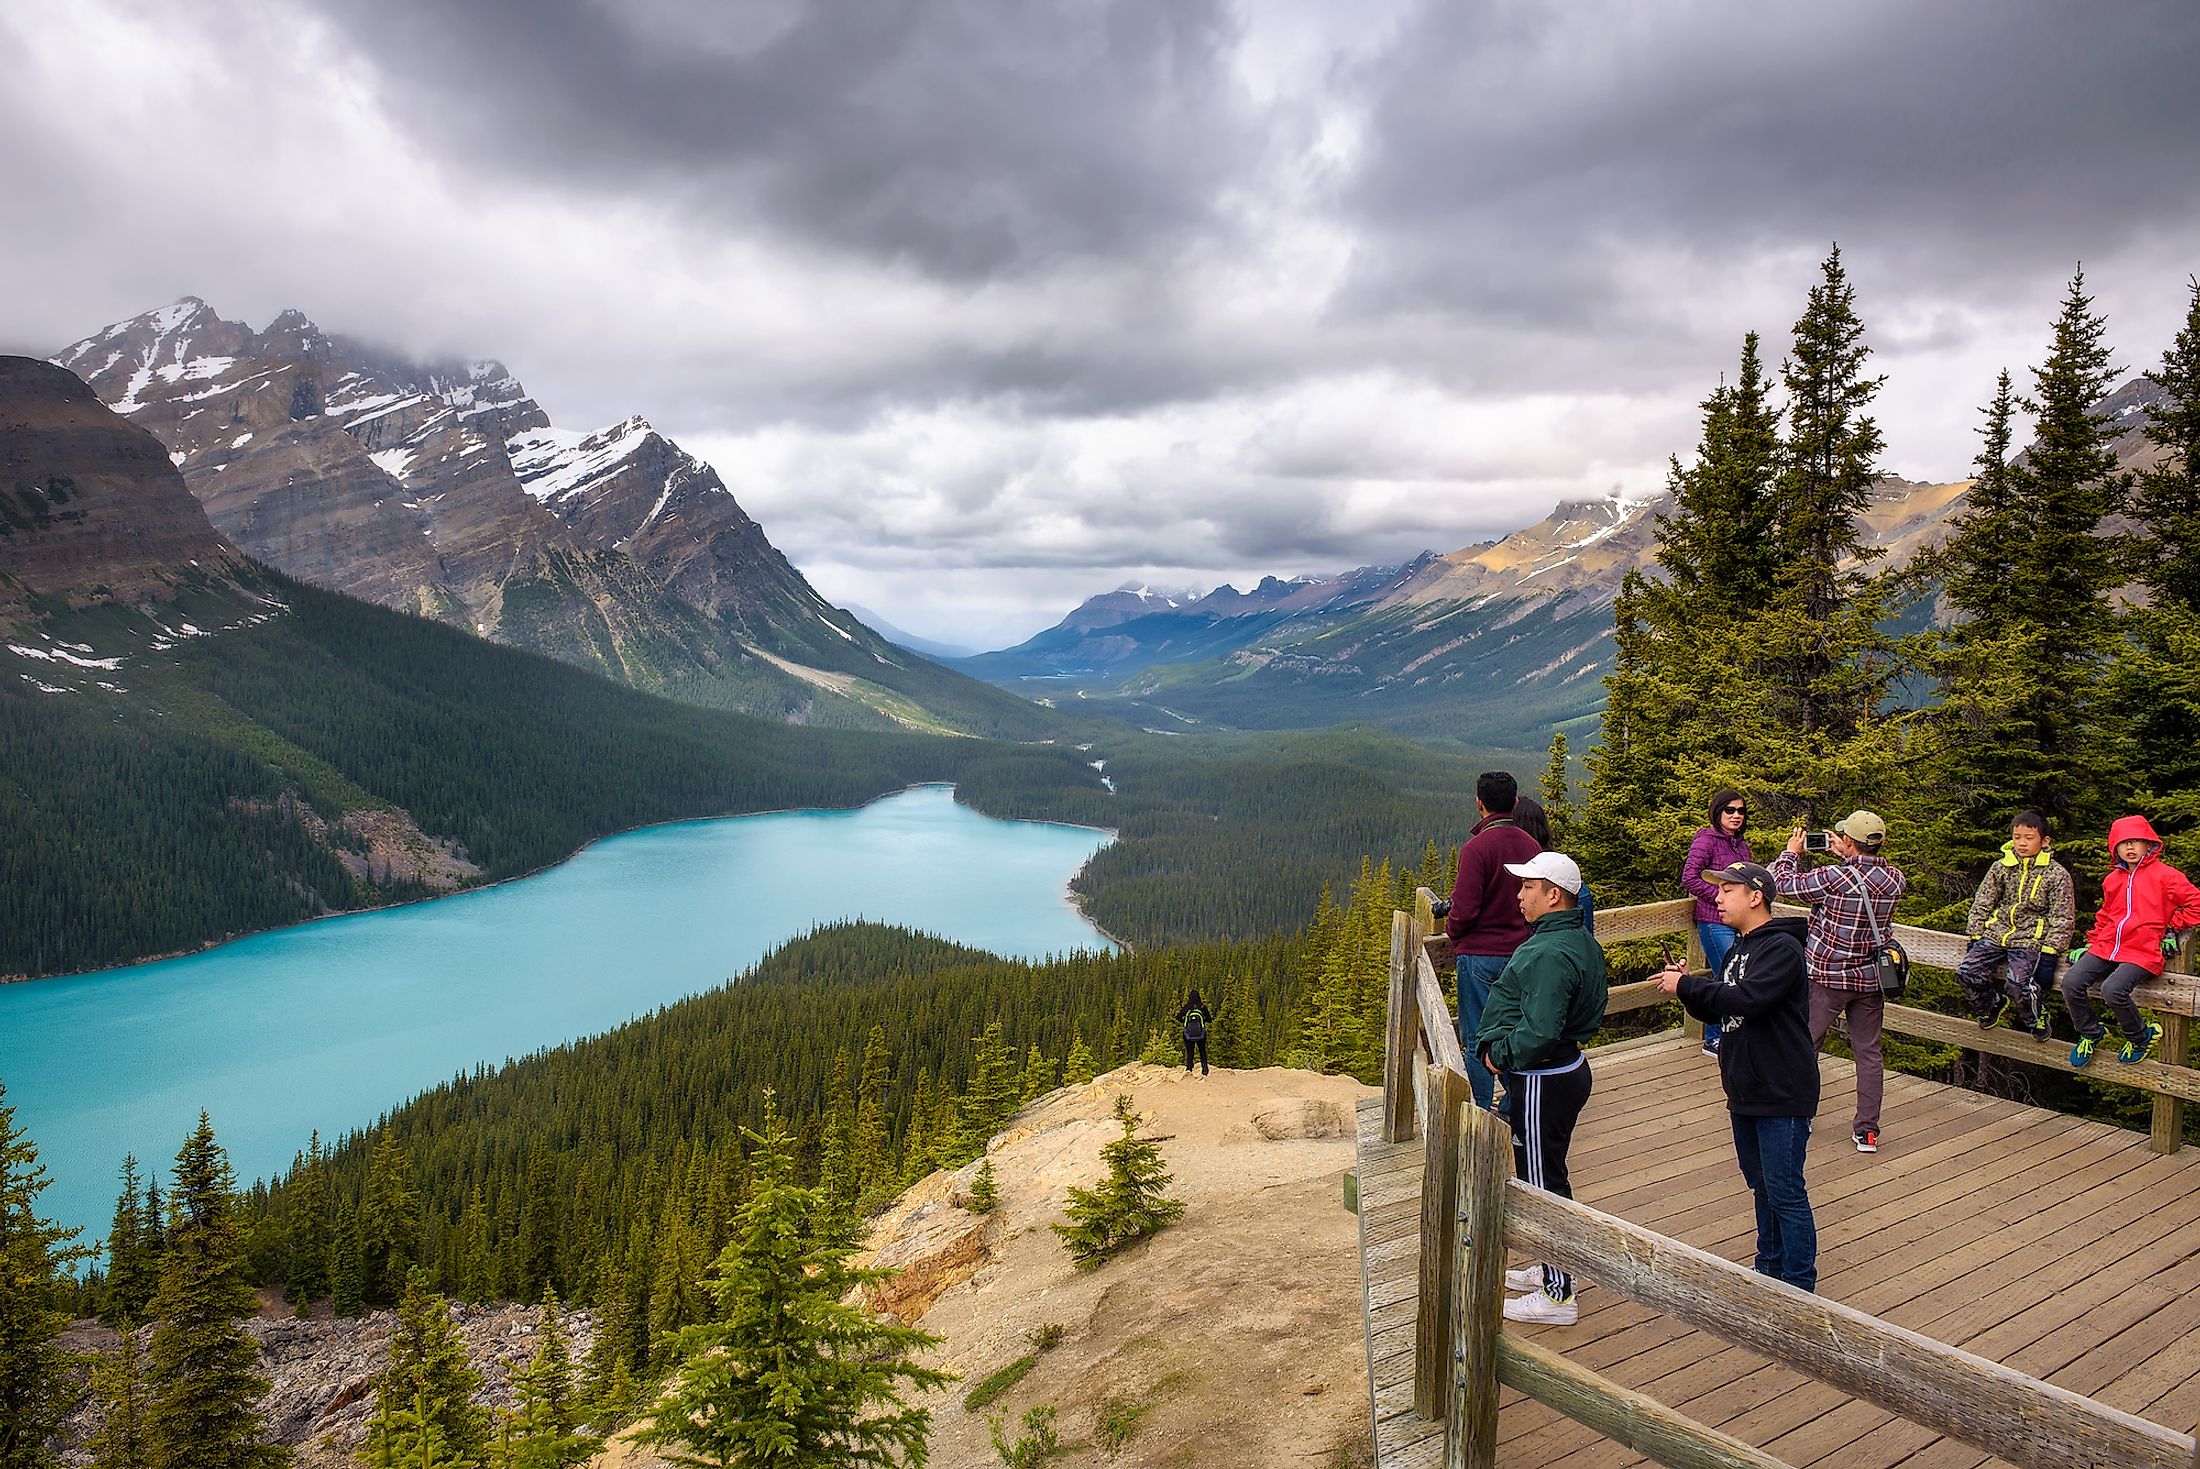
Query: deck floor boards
2061, 1247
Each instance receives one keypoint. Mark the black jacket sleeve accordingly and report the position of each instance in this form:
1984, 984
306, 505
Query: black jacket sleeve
1770, 979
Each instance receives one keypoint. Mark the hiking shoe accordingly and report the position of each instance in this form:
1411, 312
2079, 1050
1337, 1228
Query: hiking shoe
1991, 1012
2041, 1029
2140, 1050
2082, 1052
1538, 1309
1867, 1141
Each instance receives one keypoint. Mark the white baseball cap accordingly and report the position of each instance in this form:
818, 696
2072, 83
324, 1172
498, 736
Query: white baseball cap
1555, 868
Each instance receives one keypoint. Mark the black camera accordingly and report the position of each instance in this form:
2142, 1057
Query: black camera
1440, 908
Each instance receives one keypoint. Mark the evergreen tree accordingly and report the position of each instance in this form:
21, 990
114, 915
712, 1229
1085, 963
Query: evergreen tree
676, 1296
874, 1168
916, 1141
426, 1394
310, 1227
1079, 1068
2023, 721
838, 1174
348, 1268
544, 1431
118, 1386
991, 1097
607, 1373
2157, 690
202, 1371
1558, 799
793, 1372
1038, 1076
34, 1255
389, 1223
985, 1189
131, 1267
1130, 1203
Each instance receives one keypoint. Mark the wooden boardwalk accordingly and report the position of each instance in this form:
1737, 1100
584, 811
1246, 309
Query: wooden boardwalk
2063, 1248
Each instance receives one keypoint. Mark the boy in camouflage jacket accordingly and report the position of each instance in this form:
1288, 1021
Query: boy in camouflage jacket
2023, 917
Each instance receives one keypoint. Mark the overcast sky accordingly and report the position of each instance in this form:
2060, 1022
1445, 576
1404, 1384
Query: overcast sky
983, 308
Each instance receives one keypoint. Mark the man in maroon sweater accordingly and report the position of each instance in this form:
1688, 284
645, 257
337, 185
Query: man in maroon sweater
1484, 922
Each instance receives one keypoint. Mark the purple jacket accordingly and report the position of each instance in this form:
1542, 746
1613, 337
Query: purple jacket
1712, 848
1485, 900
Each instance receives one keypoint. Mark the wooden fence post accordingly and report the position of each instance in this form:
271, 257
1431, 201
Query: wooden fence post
1478, 1283
1449, 1101
1698, 961
2169, 1112
1402, 1036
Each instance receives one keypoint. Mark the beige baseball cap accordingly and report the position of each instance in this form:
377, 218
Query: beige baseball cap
1865, 828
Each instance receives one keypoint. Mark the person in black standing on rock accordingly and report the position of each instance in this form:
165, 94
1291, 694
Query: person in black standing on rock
1197, 1017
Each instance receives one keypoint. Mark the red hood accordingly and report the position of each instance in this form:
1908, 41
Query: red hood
2128, 827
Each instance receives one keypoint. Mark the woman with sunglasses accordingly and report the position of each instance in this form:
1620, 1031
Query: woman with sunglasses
1716, 847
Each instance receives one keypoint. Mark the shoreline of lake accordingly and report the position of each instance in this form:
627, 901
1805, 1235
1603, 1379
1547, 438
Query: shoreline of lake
1112, 834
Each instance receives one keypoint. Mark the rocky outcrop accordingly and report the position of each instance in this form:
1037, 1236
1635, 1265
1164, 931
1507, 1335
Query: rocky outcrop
91, 508
322, 1372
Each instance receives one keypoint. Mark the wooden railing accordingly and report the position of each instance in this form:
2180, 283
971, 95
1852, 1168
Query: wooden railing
1473, 1210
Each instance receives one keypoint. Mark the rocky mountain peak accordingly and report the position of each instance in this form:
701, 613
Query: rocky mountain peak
92, 509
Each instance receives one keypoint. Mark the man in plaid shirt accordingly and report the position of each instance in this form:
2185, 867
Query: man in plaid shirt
1838, 951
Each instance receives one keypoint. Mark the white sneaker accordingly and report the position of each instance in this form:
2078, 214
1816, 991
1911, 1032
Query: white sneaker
1527, 1277
1538, 1309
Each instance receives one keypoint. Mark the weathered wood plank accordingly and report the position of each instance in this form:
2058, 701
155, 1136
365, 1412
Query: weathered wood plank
1620, 1414
2150, 1076
2169, 1112
1401, 1035
1951, 1391
1449, 1103
1478, 1290
1640, 995
1436, 1018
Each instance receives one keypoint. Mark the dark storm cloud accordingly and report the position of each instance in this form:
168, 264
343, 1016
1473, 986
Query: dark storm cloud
1519, 158
971, 140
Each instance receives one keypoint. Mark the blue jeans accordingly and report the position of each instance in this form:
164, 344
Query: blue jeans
1771, 1151
1476, 972
1718, 941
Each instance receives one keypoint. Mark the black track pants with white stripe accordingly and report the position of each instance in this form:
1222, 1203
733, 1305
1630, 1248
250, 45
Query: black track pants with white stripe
1545, 1107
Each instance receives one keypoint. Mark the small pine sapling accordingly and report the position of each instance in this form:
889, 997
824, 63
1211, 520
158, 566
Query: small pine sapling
984, 1191
1130, 1203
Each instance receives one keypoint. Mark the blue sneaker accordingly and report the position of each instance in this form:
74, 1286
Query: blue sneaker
2082, 1052
2138, 1051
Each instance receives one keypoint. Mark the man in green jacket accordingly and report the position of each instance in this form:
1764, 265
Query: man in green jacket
1543, 1008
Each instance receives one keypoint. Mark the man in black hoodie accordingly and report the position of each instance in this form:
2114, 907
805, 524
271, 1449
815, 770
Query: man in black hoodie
1761, 995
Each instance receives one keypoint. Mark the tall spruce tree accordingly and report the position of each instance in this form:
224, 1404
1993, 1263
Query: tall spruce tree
34, 1255
793, 1371
1558, 797
202, 1371
118, 1386
2042, 640
2157, 690
426, 1393
132, 1270
545, 1428
389, 1222
992, 1094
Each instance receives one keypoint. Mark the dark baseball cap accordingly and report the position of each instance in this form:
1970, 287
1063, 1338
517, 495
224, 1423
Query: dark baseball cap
1744, 874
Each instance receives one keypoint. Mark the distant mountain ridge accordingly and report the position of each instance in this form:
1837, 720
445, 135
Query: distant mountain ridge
1495, 644
443, 489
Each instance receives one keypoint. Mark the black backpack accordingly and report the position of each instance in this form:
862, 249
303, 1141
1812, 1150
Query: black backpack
1195, 1025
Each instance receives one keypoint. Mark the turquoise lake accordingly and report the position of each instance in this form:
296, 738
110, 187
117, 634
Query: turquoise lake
327, 1025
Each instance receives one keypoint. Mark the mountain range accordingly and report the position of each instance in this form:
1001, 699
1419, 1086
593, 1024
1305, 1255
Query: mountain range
1495, 645
443, 489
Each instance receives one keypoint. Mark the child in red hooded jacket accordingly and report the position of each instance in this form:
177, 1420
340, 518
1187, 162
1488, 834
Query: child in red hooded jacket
2142, 898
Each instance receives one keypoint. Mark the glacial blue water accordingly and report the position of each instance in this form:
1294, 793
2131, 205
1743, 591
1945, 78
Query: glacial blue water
329, 1024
